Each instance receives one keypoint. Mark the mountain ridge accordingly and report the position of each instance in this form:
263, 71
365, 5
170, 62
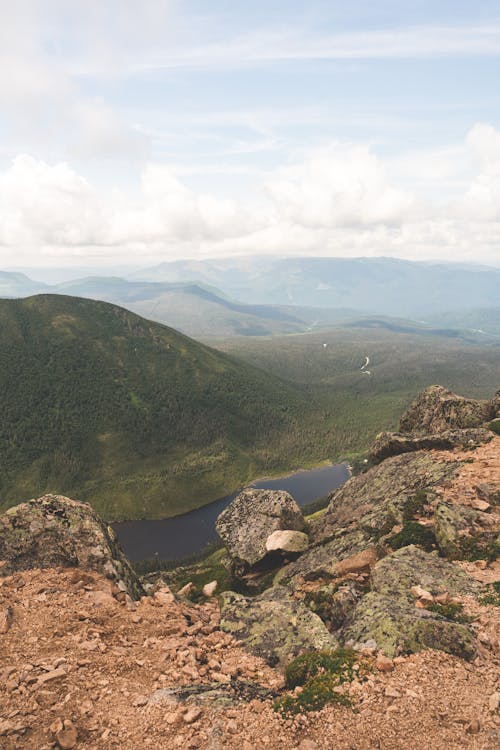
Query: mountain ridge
101, 402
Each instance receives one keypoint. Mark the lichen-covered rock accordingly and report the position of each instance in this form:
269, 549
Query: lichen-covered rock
388, 444
273, 625
212, 694
334, 603
395, 575
246, 524
398, 627
437, 409
287, 541
465, 533
388, 614
374, 501
55, 531
321, 561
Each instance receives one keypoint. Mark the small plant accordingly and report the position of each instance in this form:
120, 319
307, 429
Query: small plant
494, 426
414, 505
451, 611
301, 669
319, 674
316, 693
469, 549
492, 596
413, 533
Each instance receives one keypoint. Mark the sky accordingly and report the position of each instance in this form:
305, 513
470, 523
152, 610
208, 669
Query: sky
133, 132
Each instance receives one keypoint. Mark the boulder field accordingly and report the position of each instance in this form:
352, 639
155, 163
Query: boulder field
373, 623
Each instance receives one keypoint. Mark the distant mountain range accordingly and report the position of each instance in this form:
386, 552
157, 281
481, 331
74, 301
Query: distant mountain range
262, 296
385, 286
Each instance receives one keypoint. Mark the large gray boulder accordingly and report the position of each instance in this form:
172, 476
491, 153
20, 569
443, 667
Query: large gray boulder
398, 627
437, 409
465, 533
55, 531
273, 625
388, 615
380, 497
247, 523
410, 566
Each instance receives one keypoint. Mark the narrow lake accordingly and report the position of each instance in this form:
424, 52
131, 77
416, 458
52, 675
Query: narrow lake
182, 536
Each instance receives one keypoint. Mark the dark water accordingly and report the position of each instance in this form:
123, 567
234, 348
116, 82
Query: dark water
182, 536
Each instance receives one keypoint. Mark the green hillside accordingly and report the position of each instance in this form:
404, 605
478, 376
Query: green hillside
103, 405
351, 405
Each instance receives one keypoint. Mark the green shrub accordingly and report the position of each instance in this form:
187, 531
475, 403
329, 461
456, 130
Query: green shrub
413, 533
494, 426
492, 596
316, 693
451, 611
320, 674
301, 669
471, 550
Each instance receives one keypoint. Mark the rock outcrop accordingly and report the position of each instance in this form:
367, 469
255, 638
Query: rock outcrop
247, 523
410, 566
388, 444
383, 496
397, 627
437, 409
273, 625
385, 534
463, 532
54, 531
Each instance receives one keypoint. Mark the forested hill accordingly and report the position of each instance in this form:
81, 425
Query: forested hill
105, 406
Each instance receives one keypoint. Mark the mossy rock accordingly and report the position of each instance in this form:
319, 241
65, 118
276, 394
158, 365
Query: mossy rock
273, 625
388, 444
398, 627
395, 574
379, 498
334, 603
464, 533
320, 561
436, 409
55, 531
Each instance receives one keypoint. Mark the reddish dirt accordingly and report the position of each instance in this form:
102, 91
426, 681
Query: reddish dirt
75, 653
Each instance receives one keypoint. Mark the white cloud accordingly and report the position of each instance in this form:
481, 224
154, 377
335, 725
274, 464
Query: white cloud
340, 200
482, 199
342, 185
40, 98
47, 205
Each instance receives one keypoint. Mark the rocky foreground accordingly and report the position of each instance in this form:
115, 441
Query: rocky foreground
397, 580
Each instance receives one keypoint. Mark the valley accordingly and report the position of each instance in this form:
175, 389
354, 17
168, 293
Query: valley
144, 422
